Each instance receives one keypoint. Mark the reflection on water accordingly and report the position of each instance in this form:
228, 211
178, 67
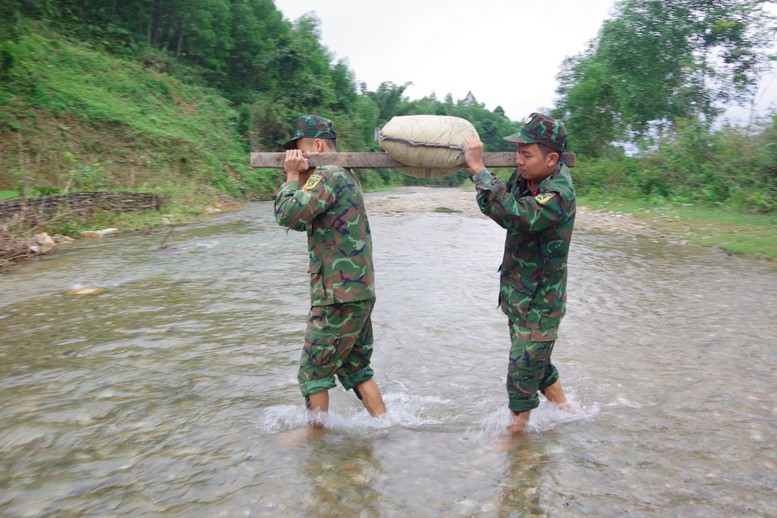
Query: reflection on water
173, 393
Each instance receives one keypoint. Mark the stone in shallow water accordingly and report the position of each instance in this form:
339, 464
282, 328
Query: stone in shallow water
85, 291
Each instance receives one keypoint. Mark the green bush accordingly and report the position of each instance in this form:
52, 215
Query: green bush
83, 177
731, 166
602, 176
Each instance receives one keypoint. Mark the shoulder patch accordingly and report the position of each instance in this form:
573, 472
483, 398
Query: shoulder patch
314, 180
544, 197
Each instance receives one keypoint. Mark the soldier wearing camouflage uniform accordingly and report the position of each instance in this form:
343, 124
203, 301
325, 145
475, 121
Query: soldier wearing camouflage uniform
536, 206
330, 208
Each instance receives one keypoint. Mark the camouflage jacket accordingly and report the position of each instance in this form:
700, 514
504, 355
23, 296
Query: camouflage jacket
539, 227
330, 207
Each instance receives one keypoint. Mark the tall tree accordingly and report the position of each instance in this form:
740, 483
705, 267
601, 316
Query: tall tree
589, 106
659, 61
389, 98
257, 30
304, 66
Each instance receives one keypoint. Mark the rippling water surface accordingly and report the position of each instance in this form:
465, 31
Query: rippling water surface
173, 393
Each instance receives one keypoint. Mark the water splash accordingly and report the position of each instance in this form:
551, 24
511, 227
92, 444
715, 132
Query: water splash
404, 410
624, 402
547, 416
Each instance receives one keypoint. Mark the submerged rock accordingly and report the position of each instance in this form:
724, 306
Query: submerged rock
42, 243
85, 291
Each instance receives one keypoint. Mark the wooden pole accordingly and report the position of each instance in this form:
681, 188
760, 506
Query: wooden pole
378, 160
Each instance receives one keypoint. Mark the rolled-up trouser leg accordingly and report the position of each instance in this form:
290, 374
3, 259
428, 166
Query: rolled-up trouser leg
338, 342
529, 370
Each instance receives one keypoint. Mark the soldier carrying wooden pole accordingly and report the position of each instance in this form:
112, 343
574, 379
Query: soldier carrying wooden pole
417, 151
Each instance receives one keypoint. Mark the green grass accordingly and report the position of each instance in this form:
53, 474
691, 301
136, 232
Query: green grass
67, 106
8, 195
105, 88
752, 235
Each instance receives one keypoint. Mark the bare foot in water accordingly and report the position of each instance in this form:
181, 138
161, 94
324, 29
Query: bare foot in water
568, 408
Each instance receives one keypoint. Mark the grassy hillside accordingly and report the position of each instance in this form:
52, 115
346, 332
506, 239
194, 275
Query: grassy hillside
74, 117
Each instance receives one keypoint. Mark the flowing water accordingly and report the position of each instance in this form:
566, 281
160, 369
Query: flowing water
173, 393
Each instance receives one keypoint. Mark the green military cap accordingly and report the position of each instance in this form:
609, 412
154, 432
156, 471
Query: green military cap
311, 126
539, 128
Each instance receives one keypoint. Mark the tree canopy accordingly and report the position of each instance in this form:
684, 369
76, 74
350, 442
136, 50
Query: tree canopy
657, 62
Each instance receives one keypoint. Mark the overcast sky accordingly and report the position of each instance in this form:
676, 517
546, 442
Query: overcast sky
506, 52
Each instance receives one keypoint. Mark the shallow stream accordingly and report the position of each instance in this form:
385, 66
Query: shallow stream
173, 393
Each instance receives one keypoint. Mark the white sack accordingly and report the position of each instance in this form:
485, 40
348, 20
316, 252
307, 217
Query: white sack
427, 141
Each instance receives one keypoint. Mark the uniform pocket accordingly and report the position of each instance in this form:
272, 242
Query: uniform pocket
315, 265
517, 294
317, 288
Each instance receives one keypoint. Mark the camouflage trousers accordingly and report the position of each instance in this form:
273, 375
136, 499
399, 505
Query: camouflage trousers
338, 342
529, 370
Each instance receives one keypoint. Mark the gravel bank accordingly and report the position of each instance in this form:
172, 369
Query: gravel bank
462, 201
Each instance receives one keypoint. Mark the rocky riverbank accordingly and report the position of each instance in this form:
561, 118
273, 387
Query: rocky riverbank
462, 201
15, 248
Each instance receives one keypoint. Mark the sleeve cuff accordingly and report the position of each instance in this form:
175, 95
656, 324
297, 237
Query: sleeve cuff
293, 185
483, 179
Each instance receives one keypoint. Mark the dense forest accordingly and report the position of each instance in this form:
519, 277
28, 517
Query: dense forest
173, 96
